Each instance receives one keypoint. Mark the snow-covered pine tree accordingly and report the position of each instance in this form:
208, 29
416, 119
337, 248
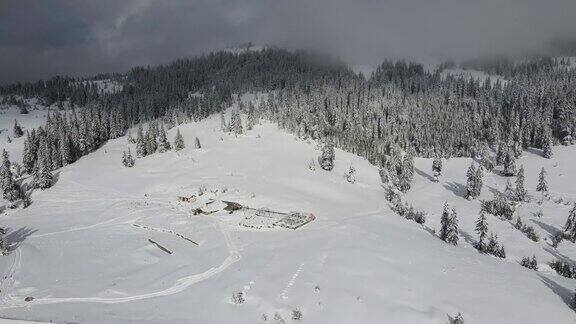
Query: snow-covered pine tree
547, 145
130, 139
459, 319
5, 166
406, 173
164, 144
479, 181
223, 126
251, 116
444, 222
178, 141
65, 149
509, 191
236, 122
17, 130
530, 263
486, 159
521, 193
4, 248
127, 159
570, 227
471, 182
436, 169
9, 187
453, 237
197, 144
492, 246
312, 165
29, 154
482, 230
350, 175
542, 185
141, 146
509, 163
43, 168
150, 139
449, 226
326, 159
55, 156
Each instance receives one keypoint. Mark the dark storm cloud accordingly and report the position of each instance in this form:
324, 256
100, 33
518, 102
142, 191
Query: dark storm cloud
41, 38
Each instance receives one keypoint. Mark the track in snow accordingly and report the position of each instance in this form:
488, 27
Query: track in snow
178, 286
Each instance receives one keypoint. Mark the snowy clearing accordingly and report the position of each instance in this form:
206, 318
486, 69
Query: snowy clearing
356, 262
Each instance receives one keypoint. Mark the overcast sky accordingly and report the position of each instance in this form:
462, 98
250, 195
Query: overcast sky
81, 37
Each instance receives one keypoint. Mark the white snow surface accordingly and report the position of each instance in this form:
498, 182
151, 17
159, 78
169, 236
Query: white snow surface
85, 257
34, 119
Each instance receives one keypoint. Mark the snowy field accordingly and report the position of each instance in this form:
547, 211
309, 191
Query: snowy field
34, 119
85, 256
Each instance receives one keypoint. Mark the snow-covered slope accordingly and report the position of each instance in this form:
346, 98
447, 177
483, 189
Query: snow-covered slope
85, 255
8, 114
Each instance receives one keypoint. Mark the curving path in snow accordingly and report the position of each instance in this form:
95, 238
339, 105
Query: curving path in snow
178, 286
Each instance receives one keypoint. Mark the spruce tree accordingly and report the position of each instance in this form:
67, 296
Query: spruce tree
509, 163
326, 159
178, 141
66, 150
8, 186
151, 144
141, 147
236, 122
521, 193
542, 185
223, 126
454, 236
471, 182
482, 230
251, 116
5, 166
459, 319
350, 175
17, 130
479, 181
570, 227
436, 169
445, 222
449, 226
43, 168
127, 159
163, 144
547, 145
406, 173
29, 155
197, 144
509, 191
4, 248
492, 247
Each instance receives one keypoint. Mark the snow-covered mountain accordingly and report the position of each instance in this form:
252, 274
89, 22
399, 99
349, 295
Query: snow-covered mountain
93, 248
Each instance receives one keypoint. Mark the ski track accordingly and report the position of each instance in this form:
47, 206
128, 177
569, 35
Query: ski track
178, 286
291, 282
7, 301
8, 278
165, 230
